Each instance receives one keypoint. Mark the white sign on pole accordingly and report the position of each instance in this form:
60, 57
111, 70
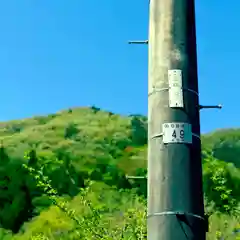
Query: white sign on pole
175, 97
177, 132
175, 78
175, 88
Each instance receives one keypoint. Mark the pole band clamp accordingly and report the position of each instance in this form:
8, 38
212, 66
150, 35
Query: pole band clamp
155, 90
161, 134
177, 213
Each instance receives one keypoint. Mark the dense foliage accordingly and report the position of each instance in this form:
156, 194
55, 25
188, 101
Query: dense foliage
63, 176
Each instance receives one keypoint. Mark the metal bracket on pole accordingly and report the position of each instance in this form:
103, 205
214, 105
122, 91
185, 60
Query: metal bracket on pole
211, 106
136, 177
138, 42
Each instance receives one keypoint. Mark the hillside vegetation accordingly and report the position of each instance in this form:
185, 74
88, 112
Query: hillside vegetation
63, 176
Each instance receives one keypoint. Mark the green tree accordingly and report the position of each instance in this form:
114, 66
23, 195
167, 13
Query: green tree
139, 131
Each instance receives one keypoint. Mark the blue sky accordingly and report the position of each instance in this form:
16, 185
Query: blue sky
55, 54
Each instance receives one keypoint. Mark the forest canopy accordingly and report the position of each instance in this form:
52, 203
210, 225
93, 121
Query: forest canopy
65, 173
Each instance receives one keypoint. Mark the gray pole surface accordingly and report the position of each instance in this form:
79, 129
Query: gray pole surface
175, 197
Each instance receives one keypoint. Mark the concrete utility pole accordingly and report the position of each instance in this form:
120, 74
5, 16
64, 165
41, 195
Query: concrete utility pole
175, 195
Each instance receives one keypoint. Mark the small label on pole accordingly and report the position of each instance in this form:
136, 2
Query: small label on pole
175, 97
175, 78
177, 132
175, 88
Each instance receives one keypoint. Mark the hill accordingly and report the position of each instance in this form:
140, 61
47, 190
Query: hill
65, 173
